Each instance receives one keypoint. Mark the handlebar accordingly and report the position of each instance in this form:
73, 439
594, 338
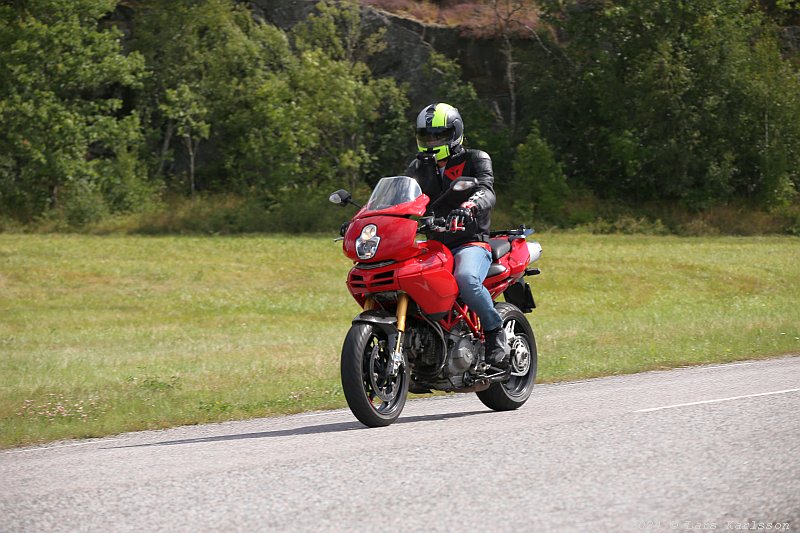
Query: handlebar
436, 225
439, 225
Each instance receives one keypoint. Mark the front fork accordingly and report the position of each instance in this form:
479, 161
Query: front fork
397, 353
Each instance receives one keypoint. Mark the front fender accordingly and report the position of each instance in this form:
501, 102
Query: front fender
385, 320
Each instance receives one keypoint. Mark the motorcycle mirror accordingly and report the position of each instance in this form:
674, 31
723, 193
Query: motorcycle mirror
465, 183
340, 197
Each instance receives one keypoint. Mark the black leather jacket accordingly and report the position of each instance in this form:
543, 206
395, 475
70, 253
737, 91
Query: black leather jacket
473, 163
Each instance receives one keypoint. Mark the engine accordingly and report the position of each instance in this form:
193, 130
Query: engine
425, 349
462, 354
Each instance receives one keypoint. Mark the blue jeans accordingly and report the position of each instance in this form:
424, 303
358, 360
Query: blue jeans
472, 265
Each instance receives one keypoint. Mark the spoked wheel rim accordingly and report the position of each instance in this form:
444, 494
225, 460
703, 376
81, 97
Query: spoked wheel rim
521, 358
383, 391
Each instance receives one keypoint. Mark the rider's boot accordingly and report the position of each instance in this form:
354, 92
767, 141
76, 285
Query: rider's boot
496, 354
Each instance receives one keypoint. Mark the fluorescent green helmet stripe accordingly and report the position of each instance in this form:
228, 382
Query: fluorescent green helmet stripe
442, 152
440, 115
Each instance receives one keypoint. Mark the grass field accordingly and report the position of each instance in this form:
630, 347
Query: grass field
100, 335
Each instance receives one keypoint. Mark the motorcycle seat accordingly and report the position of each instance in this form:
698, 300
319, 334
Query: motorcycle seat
496, 269
500, 247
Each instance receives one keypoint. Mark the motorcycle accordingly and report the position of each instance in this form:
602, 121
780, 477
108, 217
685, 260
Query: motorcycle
414, 333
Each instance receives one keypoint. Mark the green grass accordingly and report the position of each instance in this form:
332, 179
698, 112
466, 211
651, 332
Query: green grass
100, 335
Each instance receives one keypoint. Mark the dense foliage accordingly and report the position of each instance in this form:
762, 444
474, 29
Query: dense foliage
632, 101
205, 99
687, 101
66, 139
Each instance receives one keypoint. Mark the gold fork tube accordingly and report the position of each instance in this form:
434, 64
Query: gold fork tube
402, 308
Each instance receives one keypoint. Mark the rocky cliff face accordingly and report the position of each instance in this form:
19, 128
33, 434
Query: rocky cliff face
409, 44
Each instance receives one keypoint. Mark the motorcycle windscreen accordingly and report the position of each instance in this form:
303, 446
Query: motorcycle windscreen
398, 195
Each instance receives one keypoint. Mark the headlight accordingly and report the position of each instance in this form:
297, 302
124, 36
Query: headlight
367, 243
369, 231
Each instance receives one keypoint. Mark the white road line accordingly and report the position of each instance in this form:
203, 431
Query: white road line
715, 401
723, 365
321, 413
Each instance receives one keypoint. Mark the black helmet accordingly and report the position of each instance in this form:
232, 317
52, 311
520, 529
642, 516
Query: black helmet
440, 130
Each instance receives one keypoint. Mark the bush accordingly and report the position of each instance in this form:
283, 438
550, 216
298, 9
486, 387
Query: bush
539, 184
80, 203
301, 210
697, 228
625, 225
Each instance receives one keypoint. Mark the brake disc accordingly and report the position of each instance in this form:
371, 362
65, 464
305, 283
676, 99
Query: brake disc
520, 357
382, 387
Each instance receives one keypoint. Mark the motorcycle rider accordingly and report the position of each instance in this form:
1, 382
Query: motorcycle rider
442, 158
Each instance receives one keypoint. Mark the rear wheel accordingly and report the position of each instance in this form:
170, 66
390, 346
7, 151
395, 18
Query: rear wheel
516, 391
374, 396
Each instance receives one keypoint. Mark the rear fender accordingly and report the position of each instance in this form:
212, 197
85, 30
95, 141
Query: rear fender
520, 295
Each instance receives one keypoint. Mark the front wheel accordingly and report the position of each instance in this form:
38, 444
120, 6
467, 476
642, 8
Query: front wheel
375, 397
516, 391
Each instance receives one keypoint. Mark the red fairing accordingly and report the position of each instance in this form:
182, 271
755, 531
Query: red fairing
519, 258
396, 234
515, 262
428, 279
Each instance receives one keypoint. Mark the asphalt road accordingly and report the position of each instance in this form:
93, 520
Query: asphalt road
714, 447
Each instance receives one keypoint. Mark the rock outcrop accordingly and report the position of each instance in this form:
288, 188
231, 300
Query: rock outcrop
409, 44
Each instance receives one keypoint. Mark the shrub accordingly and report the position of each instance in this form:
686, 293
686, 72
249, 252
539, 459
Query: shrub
626, 225
539, 184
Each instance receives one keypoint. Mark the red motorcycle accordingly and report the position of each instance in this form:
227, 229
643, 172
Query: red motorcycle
415, 334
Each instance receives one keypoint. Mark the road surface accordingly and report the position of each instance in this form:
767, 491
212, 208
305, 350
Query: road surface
715, 447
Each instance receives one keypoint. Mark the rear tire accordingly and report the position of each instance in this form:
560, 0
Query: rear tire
516, 391
375, 400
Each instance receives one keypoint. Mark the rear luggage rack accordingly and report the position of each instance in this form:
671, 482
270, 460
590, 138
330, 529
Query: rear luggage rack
518, 233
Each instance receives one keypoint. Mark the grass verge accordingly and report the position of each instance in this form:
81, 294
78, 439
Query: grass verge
100, 335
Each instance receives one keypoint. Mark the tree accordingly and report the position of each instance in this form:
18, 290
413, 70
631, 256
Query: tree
275, 117
358, 129
186, 109
511, 20
209, 55
539, 184
671, 100
62, 72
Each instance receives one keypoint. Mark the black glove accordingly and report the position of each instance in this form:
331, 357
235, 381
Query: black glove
459, 219
427, 158
427, 166
343, 228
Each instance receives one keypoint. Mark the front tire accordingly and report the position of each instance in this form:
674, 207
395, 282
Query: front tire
516, 391
374, 399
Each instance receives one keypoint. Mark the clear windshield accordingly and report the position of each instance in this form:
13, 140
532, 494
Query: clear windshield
393, 191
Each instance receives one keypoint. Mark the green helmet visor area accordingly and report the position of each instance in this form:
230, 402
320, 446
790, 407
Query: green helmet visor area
441, 152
